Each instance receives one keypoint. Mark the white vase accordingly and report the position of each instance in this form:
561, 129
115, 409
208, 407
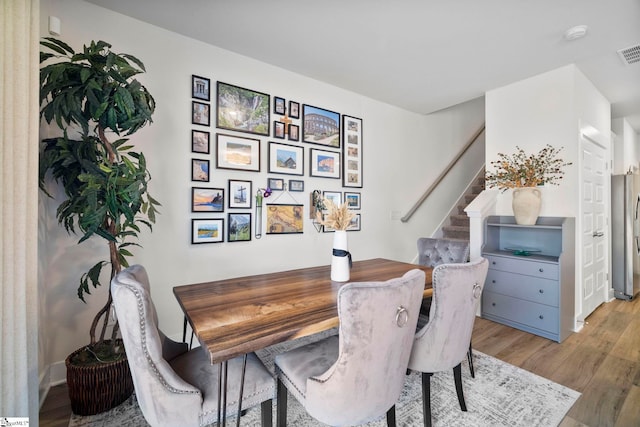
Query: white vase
526, 205
340, 265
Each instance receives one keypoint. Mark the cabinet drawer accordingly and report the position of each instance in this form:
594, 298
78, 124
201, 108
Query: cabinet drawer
528, 313
524, 266
536, 289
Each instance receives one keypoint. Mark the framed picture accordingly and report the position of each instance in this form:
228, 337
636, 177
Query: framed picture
207, 230
200, 88
239, 194
352, 152
320, 126
296, 185
242, 110
278, 129
354, 224
325, 164
275, 184
200, 113
207, 199
239, 229
236, 152
200, 170
294, 133
285, 219
286, 159
334, 196
279, 105
294, 110
199, 141
352, 200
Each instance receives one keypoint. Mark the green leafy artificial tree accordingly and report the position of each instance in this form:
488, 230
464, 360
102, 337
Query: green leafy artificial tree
88, 94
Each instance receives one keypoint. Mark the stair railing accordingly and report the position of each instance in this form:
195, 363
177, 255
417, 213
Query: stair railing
444, 173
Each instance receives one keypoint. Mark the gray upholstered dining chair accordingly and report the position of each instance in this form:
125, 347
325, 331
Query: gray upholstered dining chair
436, 251
358, 375
173, 386
443, 342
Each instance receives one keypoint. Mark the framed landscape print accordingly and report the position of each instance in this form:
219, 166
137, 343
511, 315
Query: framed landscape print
200, 113
207, 230
352, 152
352, 200
200, 88
334, 196
285, 219
207, 199
236, 152
320, 126
354, 224
200, 142
242, 110
239, 228
286, 159
200, 170
240, 194
325, 164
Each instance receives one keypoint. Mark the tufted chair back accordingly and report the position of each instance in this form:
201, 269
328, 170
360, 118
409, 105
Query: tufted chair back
432, 252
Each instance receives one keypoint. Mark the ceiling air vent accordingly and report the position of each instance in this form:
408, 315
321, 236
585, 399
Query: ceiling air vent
630, 55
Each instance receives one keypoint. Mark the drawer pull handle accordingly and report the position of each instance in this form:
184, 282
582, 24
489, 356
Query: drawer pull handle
493, 262
493, 281
493, 304
541, 291
541, 270
541, 317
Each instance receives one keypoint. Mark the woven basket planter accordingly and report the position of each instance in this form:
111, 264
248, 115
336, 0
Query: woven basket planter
98, 388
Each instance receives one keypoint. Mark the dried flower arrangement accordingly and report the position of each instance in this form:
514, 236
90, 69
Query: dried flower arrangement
336, 217
522, 170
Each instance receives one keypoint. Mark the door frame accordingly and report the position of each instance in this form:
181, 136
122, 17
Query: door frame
590, 134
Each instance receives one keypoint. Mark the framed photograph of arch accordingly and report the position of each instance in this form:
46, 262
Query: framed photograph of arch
352, 152
320, 126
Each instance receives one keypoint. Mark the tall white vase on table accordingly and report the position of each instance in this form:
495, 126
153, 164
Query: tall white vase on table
526, 205
340, 259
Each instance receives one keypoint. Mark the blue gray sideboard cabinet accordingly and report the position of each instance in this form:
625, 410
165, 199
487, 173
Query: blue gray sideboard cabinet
531, 280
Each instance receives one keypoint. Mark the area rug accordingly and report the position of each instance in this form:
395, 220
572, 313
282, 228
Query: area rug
500, 395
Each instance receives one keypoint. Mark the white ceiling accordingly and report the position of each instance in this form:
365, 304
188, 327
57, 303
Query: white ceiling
420, 55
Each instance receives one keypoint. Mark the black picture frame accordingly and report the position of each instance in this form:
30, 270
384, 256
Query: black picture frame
200, 141
296, 185
324, 164
240, 194
200, 88
352, 152
320, 126
207, 230
200, 113
239, 227
205, 199
279, 105
285, 159
352, 199
200, 170
237, 152
243, 110
275, 184
279, 129
294, 110
294, 132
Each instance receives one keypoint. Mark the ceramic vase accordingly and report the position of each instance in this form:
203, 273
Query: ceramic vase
526, 205
340, 268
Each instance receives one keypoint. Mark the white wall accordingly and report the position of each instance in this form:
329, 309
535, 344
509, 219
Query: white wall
550, 108
626, 150
402, 152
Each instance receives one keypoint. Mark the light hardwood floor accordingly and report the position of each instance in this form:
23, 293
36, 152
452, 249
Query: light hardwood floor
602, 362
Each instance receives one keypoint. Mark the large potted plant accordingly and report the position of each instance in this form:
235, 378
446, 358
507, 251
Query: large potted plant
90, 95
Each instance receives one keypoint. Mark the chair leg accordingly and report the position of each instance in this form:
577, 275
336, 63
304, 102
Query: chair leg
426, 398
281, 411
457, 377
470, 359
391, 416
266, 413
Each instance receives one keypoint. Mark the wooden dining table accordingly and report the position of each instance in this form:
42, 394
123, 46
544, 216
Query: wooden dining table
232, 317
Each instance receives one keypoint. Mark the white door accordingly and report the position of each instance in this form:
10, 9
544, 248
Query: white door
594, 224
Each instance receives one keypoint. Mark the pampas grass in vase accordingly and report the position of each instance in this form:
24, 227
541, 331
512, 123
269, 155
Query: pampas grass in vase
338, 218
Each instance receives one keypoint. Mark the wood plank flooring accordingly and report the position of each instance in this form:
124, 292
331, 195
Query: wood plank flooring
602, 362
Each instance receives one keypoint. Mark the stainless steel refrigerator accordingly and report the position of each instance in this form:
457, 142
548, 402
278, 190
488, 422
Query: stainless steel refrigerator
625, 238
